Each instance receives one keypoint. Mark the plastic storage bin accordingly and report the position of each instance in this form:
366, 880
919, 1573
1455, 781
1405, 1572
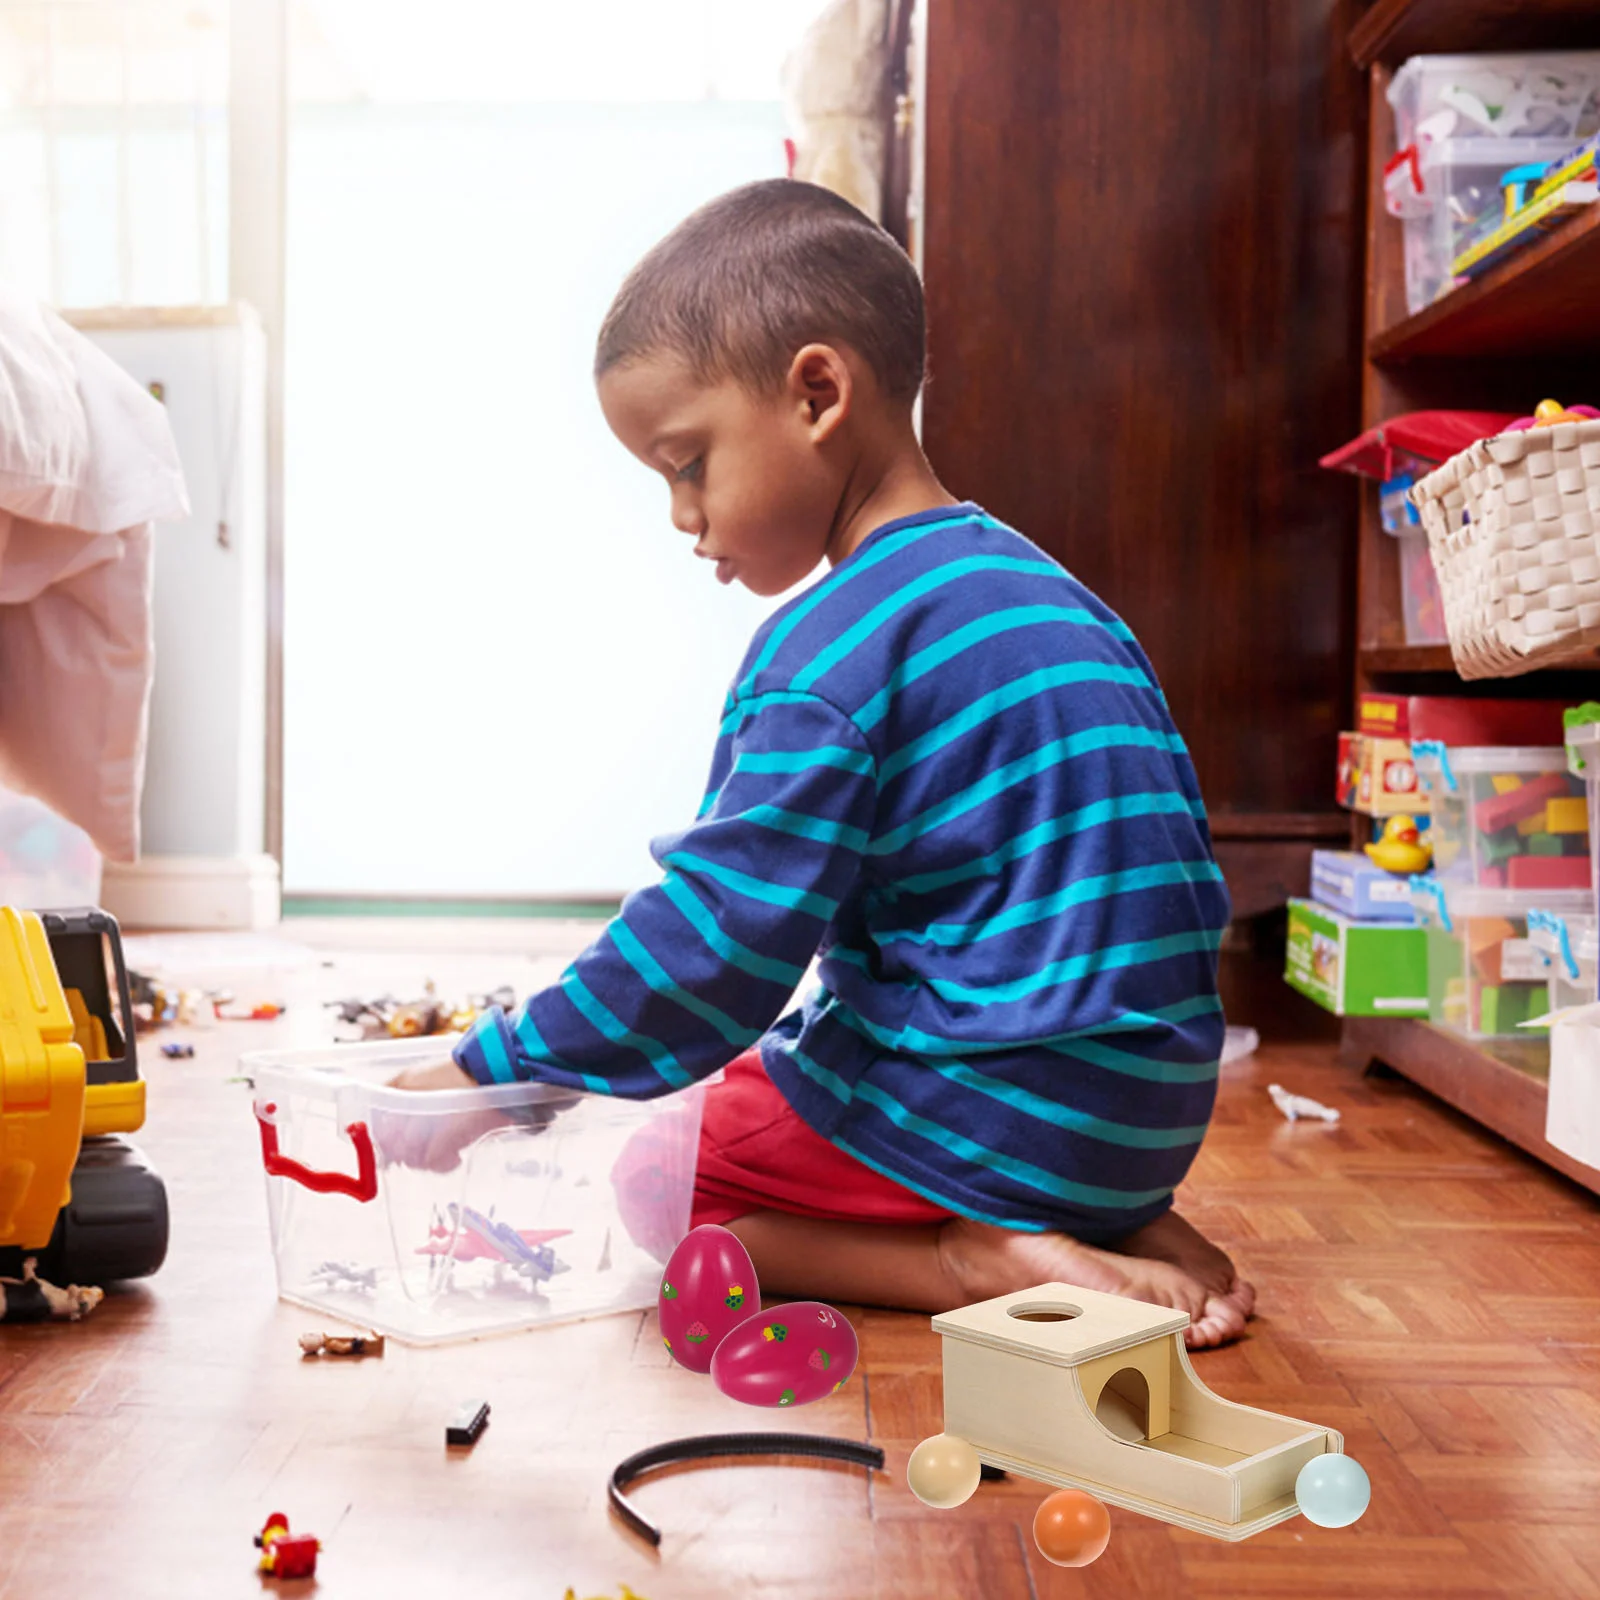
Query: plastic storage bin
46, 864
1485, 978
1505, 816
1548, 95
1583, 748
1460, 202
1421, 602
1570, 950
442, 1216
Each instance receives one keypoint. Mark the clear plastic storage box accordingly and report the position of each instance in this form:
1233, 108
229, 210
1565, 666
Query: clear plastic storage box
1460, 202
1583, 746
1485, 977
1505, 816
1421, 603
46, 864
1546, 95
446, 1215
1570, 950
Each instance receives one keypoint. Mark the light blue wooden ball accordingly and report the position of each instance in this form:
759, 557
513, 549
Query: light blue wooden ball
1332, 1490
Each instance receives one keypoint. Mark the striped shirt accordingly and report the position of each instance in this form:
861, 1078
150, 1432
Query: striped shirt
947, 767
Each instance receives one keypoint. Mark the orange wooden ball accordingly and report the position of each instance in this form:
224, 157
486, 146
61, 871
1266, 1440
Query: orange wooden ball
1071, 1528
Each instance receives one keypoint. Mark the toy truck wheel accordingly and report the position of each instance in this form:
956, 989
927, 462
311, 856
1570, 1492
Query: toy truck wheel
116, 1224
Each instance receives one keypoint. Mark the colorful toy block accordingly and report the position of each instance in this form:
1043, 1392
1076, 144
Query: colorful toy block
1503, 1008
1485, 938
1567, 814
1547, 872
1526, 800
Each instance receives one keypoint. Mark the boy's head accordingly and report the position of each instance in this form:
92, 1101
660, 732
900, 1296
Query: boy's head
752, 357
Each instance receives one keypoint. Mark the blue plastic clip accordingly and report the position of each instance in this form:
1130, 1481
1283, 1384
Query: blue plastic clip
1549, 922
1422, 748
1420, 883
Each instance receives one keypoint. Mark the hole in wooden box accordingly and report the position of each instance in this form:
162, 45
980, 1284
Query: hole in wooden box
1124, 1407
1042, 1311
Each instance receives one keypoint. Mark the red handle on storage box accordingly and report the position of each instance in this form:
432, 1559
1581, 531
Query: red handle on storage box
364, 1186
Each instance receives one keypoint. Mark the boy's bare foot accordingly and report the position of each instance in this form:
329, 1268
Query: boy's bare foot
1169, 1238
940, 1266
1166, 1264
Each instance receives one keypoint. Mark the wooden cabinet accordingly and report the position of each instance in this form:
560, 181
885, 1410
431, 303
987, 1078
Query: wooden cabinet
1142, 249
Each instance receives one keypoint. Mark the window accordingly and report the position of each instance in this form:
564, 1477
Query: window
113, 141
503, 671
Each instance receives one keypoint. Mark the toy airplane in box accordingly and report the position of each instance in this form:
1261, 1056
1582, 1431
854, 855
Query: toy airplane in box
72, 1192
1090, 1391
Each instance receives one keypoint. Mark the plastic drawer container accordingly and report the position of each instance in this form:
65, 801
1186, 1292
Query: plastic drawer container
46, 864
1421, 603
1460, 202
1570, 950
1583, 747
1552, 94
1505, 817
1485, 978
536, 1205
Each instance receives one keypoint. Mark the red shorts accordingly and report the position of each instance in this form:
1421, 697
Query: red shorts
757, 1155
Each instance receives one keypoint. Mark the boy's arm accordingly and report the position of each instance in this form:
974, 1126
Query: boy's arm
697, 967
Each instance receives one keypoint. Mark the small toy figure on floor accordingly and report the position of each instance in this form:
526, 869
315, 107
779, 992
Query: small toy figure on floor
285, 1554
30, 1299
1296, 1106
369, 1343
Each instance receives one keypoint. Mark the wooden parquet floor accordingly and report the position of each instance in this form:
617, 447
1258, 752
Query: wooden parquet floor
1423, 1287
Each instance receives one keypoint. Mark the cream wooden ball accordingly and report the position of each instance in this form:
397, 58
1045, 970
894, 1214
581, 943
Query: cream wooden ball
943, 1471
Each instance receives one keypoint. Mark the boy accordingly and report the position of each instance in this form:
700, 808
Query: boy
948, 768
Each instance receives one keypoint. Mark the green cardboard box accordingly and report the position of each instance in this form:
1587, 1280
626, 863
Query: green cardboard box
1357, 969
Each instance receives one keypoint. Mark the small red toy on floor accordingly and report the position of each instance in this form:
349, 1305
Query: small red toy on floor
285, 1554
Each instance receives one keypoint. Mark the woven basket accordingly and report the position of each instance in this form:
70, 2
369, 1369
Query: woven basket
1514, 529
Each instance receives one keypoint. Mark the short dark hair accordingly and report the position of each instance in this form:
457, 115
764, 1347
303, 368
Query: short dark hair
756, 274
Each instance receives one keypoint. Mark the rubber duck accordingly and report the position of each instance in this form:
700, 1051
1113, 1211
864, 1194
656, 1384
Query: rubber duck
1402, 848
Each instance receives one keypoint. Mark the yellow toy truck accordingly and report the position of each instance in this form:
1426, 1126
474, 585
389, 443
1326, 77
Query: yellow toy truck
73, 1192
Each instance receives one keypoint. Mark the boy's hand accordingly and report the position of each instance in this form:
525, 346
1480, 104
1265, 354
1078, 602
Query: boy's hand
437, 1075
432, 1143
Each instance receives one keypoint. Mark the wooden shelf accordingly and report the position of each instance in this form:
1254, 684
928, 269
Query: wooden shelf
1502, 1083
1571, 677
1526, 328
1539, 302
1391, 30
1396, 658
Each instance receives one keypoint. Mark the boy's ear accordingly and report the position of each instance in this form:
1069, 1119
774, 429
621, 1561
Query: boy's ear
820, 384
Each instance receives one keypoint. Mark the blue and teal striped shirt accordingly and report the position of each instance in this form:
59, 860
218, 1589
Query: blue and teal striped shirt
947, 767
